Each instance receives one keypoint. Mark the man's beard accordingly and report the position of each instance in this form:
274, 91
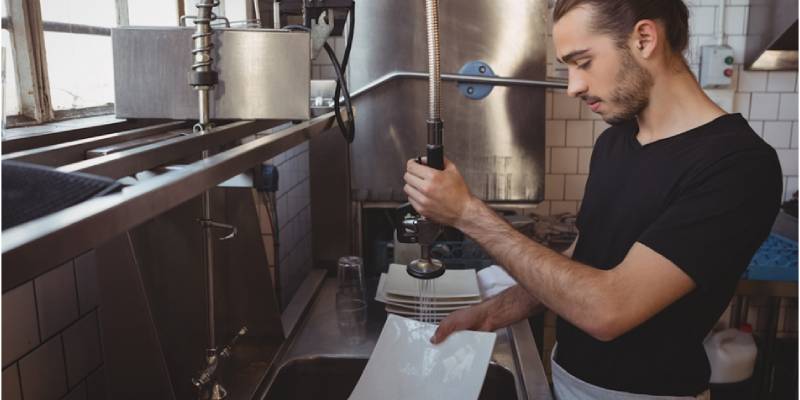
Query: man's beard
632, 93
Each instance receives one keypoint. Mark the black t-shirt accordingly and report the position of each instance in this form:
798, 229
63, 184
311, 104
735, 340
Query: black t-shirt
704, 199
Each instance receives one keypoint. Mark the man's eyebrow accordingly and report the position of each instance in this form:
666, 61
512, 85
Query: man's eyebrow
567, 58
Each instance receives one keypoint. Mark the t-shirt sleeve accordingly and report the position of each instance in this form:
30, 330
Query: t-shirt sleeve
714, 226
599, 148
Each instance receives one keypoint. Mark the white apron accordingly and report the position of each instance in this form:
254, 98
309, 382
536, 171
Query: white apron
568, 387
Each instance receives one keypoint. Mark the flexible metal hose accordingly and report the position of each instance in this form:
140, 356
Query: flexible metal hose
434, 64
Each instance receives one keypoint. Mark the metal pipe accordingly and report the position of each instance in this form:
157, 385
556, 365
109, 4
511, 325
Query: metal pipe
203, 112
14, 143
69, 152
35, 247
203, 78
129, 162
257, 9
208, 247
276, 14
498, 81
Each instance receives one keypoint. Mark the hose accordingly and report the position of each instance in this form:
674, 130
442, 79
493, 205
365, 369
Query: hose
341, 91
435, 147
434, 60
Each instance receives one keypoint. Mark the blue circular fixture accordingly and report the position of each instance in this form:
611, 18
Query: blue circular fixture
476, 91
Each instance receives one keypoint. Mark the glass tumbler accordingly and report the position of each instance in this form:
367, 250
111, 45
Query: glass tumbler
351, 277
351, 315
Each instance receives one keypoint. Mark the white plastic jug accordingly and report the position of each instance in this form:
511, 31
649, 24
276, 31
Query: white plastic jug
732, 354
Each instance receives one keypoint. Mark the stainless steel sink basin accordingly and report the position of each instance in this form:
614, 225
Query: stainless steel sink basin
322, 360
329, 378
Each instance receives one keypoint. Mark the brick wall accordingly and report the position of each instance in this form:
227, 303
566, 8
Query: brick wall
51, 339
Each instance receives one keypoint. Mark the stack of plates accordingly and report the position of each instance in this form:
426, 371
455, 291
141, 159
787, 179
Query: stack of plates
454, 290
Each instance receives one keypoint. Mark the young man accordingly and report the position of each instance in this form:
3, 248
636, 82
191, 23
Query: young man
679, 197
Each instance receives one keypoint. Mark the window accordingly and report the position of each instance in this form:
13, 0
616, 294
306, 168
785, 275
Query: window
234, 10
74, 69
152, 13
101, 13
9, 74
79, 65
80, 69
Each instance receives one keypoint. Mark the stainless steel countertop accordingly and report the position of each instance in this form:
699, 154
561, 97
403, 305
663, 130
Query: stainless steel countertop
319, 335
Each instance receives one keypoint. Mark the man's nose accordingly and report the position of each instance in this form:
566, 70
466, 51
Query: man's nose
576, 85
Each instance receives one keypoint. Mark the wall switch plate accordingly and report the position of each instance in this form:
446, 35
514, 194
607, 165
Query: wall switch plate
716, 67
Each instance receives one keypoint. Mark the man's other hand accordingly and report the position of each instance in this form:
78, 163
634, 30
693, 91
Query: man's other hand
442, 196
473, 318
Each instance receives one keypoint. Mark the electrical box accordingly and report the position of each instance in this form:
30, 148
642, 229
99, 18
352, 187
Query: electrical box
716, 67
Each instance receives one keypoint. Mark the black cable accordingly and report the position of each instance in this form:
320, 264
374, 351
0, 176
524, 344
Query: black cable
348, 131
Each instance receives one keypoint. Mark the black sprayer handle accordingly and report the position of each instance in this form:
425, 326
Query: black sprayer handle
435, 153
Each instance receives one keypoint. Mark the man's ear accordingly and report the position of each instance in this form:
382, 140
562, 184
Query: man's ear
645, 38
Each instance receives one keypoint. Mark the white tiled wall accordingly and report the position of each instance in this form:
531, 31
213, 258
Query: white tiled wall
294, 218
294, 200
767, 99
51, 337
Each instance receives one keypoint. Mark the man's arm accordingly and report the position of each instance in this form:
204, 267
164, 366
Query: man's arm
603, 303
510, 306
504, 309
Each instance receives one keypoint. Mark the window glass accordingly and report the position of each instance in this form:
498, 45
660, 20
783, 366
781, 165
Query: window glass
10, 92
80, 69
86, 12
79, 66
9, 73
153, 12
235, 11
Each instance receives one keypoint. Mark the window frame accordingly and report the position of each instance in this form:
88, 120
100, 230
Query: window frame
26, 30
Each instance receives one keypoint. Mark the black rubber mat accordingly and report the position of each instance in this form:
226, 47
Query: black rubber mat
32, 191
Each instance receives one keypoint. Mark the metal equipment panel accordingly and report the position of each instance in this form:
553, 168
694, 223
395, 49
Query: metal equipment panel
497, 142
263, 74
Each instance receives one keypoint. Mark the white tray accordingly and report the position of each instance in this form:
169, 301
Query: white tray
405, 365
460, 284
413, 313
443, 304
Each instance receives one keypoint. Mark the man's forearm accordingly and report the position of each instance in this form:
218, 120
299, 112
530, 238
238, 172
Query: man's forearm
510, 306
567, 287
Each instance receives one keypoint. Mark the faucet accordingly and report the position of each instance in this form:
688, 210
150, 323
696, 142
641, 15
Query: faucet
423, 231
418, 228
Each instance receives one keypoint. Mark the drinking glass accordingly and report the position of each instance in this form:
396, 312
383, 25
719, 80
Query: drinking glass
351, 276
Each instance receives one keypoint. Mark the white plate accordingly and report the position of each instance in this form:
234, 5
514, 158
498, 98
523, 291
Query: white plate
405, 365
441, 304
433, 320
455, 283
413, 313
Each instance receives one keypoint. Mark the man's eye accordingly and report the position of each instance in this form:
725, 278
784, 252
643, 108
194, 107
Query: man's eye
584, 65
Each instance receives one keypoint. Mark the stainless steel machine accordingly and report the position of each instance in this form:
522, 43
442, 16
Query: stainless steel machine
188, 305
492, 91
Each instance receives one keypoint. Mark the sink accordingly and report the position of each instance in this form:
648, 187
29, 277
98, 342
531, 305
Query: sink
331, 378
